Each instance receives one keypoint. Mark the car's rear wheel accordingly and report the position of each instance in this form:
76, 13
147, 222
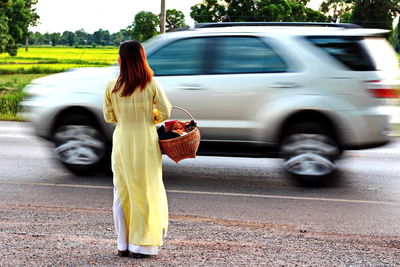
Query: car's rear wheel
79, 144
309, 151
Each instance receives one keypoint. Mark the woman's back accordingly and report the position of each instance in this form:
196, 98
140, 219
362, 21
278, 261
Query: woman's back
135, 110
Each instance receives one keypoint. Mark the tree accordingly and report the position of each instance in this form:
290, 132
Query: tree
81, 37
254, 10
55, 38
47, 38
4, 35
288, 11
145, 26
101, 37
126, 34
346, 18
375, 13
68, 38
336, 9
299, 12
366, 13
395, 38
175, 20
271, 10
118, 37
36, 38
208, 11
241, 10
303, 2
15, 18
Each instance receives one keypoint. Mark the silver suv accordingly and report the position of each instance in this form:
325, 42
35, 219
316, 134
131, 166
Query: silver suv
301, 91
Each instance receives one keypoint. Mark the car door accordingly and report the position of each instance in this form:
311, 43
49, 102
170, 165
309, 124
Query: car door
247, 75
181, 68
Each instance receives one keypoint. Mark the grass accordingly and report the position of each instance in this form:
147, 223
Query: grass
17, 72
11, 94
16, 81
56, 59
60, 55
41, 68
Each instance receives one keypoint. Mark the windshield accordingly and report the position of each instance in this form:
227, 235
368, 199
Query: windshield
148, 45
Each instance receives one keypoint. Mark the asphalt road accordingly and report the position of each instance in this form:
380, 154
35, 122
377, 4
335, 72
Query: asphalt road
361, 200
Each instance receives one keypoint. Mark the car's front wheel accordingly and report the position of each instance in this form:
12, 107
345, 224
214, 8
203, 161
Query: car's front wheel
309, 152
79, 144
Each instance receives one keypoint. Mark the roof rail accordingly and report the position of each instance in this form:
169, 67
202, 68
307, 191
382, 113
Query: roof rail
318, 24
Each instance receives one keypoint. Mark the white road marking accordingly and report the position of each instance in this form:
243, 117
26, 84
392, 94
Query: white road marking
354, 201
59, 185
287, 197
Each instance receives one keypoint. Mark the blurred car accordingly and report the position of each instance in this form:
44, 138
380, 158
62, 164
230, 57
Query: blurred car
306, 91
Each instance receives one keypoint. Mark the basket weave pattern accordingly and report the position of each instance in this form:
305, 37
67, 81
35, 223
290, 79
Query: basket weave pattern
182, 147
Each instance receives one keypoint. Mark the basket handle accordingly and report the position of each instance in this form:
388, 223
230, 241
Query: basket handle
184, 110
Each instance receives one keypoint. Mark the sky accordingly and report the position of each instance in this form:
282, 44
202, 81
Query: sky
111, 15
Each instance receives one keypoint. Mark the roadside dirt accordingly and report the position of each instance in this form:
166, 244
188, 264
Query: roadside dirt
55, 236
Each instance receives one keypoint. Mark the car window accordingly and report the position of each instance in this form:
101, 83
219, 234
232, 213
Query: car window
382, 53
182, 57
348, 50
245, 55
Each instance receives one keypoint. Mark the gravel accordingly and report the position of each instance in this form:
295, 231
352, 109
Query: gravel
49, 236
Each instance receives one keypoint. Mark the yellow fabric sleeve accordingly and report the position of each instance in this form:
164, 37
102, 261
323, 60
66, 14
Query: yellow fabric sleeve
108, 111
163, 106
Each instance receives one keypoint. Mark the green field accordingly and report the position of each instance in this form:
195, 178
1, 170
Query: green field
16, 72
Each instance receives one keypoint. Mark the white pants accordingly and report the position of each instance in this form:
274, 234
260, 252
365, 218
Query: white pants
122, 233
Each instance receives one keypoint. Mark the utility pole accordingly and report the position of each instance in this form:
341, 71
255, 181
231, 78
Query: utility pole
162, 17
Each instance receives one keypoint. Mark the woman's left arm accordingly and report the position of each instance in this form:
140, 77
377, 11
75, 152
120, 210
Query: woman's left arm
162, 103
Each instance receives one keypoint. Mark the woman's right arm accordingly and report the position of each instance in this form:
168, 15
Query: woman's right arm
108, 111
162, 103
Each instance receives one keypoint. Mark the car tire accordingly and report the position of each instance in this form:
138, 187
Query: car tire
309, 151
79, 144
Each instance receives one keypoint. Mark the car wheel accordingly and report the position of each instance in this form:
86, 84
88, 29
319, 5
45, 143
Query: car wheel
309, 152
79, 144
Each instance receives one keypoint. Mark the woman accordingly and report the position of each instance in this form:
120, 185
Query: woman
140, 203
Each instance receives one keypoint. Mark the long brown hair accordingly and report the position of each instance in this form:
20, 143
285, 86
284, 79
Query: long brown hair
135, 72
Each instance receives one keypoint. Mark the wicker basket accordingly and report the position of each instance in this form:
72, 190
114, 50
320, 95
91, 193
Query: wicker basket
182, 147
